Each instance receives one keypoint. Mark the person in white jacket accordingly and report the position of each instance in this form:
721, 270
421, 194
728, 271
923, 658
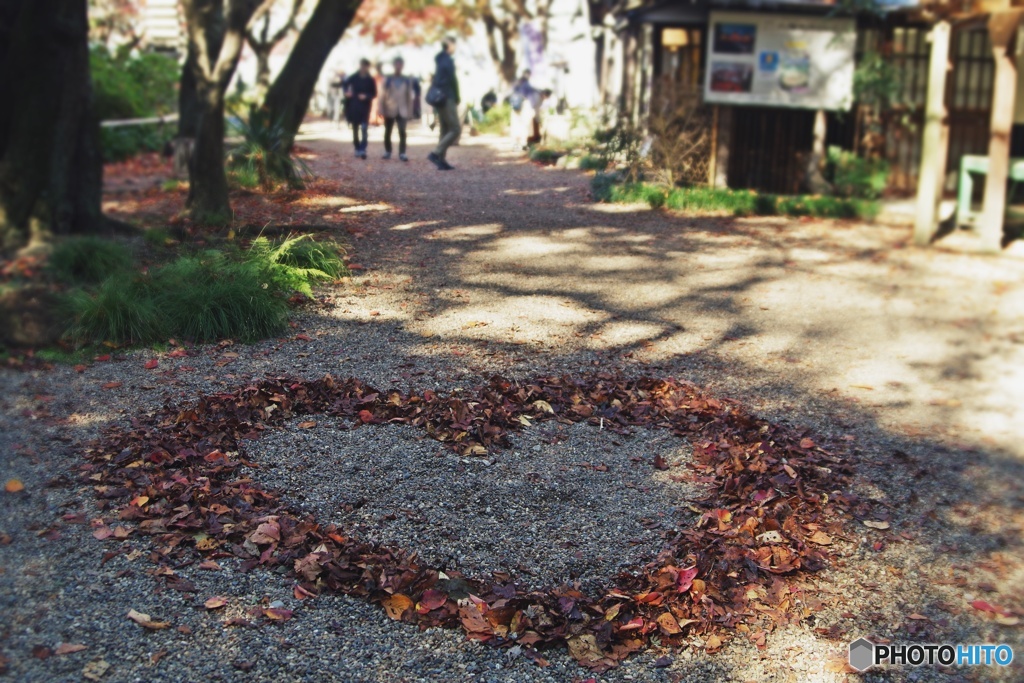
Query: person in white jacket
396, 105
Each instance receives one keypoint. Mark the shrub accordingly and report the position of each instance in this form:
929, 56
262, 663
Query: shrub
601, 186
209, 297
855, 176
124, 142
121, 310
88, 260
622, 144
296, 263
590, 162
679, 126
206, 296
133, 86
496, 120
543, 155
265, 151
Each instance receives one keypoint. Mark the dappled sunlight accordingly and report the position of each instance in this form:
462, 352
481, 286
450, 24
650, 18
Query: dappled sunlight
465, 232
414, 225
362, 208
620, 208
327, 201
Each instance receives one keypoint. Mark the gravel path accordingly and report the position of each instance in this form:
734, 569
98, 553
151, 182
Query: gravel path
916, 358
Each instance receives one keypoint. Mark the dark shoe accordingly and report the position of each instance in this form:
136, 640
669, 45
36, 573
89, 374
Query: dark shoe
436, 160
362, 155
387, 155
445, 166
403, 157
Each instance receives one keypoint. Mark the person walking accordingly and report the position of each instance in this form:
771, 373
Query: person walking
520, 124
396, 104
444, 97
360, 91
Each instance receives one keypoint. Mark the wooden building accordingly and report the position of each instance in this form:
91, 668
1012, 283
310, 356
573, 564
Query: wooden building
648, 48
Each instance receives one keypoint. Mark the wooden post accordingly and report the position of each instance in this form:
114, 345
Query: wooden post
930, 175
722, 147
815, 180
714, 146
1002, 28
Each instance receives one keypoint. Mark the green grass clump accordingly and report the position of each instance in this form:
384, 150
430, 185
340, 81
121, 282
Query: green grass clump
210, 297
88, 260
591, 162
264, 155
206, 296
296, 263
735, 202
120, 310
544, 155
638, 193
496, 120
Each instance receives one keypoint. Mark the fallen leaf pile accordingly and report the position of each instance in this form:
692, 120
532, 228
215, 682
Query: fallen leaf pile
771, 515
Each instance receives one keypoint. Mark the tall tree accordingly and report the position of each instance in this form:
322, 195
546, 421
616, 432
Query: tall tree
213, 65
263, 41
288, 97
50, 167
502, 20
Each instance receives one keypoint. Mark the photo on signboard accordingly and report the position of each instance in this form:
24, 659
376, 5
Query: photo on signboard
795, 72
731, 77
735, 39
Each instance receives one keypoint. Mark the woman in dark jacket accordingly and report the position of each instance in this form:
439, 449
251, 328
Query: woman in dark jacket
360, 90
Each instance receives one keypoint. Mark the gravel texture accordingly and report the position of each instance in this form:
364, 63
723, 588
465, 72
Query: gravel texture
914, 357
558, 508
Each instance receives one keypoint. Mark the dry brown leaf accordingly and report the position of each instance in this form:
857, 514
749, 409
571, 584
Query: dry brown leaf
14, 486
669, 625
396, 605
584, 649
821, 538
881, 526
95, 669
215, 602
145, 621
68, 648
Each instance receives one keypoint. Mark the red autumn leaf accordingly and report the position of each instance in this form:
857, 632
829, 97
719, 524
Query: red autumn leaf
113, 385
685, 580
152, 363
806, 443
303, 337
365, 416
659, 463
432, 599
105, 357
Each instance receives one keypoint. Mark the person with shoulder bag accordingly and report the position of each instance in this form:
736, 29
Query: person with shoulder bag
396, 104
360, 90
443, 96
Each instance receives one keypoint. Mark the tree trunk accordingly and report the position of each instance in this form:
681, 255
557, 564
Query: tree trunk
214, 65
262, 69
504, 55
208, 182
288, 97
50, 166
